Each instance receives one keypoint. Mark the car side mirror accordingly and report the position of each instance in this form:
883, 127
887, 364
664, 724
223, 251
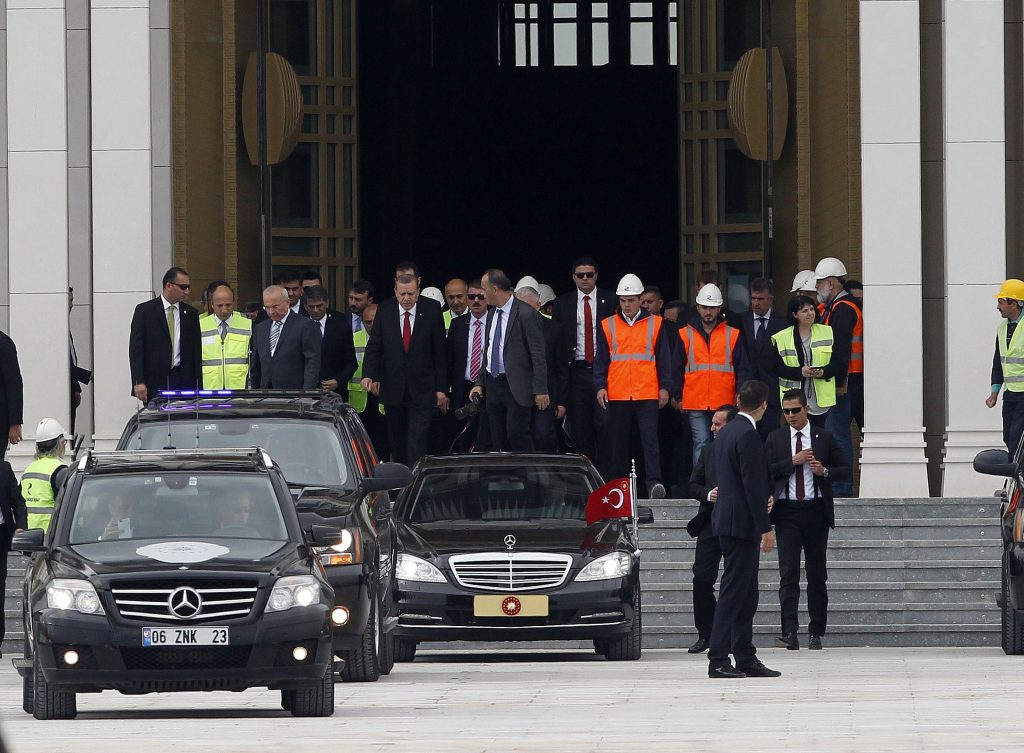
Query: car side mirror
644, 516
325, 535
28, 541
995, 463
387, 476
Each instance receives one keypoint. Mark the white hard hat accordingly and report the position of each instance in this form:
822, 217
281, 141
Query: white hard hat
547, 293
528, 282
829, 267
48, 430
630, 285
805, 280
710, 295
433, 294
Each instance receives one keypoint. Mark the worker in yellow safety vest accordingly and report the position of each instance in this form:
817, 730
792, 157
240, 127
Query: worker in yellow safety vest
226, 337
44, 475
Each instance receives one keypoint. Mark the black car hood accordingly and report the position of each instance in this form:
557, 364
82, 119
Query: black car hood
564, 536
143, 555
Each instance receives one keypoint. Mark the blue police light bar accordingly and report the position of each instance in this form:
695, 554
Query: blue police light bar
196, 393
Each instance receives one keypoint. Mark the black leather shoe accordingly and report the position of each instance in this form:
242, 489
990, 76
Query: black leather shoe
757, 669
699, 647
788, 641
814, 642
728, 672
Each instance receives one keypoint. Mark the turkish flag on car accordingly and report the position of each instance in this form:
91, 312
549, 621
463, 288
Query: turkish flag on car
612, 500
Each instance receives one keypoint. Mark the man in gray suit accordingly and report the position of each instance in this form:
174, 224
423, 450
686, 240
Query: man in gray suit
286, 346
515, 375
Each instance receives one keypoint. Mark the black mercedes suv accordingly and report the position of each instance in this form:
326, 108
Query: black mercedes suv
176, 571
496, 547
333, 473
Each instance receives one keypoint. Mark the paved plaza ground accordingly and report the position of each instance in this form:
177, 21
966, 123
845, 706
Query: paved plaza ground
869, 700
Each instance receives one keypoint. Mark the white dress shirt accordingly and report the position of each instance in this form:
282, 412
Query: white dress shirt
749, 418
401, 319
295, 309
805, 468
473, 322
176, 345
322, 323
506, 310
581, 338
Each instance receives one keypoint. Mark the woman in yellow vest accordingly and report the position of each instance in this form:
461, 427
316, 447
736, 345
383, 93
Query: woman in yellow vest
44, 475
803, 358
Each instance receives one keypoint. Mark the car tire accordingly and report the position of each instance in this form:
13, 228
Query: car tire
316, 700
600, 647
51, 703
387, 654
28, 698
1012, 621
628, 647
287, 699
363, 664
405, 651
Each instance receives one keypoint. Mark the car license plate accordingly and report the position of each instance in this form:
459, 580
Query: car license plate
496, 605
204, 636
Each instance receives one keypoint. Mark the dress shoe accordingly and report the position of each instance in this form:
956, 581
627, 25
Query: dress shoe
814, 642
657, 491
788, 641
699, 647
757, 669
728, 672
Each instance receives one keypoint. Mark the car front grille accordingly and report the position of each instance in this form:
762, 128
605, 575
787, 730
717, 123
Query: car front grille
197, 657
219, 599
510, 571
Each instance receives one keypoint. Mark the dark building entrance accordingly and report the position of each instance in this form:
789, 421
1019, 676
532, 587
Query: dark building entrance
520, 135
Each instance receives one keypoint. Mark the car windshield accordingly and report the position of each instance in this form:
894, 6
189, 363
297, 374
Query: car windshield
176, 505
498, 492
308, 452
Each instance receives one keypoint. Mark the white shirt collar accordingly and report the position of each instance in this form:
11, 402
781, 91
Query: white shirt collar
412, 312
749, 418
507, 306
580, 294
632, 321
167, 304
295, 309
289, 313
806, 431
766, 316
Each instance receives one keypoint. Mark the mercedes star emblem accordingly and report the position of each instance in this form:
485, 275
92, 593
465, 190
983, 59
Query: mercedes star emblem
510, 541
184, 603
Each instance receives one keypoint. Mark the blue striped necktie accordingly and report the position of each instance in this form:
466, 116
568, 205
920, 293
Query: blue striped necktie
275, 335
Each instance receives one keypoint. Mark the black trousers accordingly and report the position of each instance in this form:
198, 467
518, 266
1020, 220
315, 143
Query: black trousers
377, 427
408, 431
733, 631
509, 421
4, 441
472, 433
855, 386
706, 560
622, 416
5, 548
800, 526
545, 429
1013, 420
586, 419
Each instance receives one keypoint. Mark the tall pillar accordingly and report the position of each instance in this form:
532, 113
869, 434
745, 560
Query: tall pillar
122, 266
893, 462
975, 230
37, 224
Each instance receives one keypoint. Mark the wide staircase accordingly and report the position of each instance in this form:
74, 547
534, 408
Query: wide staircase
902, 572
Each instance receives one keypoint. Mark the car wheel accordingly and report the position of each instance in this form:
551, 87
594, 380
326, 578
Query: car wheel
405, 651
316, 700
600, 647
51, 703
1012, 622
387, 654
363, 664
287, 699
28, 701
628, 647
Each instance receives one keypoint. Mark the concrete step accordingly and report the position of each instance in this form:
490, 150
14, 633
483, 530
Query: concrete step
893, 594
858, 550
679, 573
861, 528
889, 509
768, 613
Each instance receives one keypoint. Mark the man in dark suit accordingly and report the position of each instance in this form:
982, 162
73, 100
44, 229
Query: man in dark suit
578, 315
286, 346
405, 367
337, 353
740, 520
165, 347
79, 376
465, 356
545, 422
707, 556
803, 461
15, 518
758, 325
515, 373
12, 394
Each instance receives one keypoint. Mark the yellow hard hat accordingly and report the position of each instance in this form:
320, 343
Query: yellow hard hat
1012, 288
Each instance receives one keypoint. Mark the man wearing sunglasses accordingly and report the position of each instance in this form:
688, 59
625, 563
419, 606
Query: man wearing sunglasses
164, 348
465, 354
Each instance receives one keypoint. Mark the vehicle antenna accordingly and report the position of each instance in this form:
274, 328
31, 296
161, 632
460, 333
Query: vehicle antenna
138, 421
632, 504
169, 445
197, 418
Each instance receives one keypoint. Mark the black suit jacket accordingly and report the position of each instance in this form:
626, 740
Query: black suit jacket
296, 360
149, 346
79, 376
743, 488
12, 389
703, 479
779, 448
526, 365
457, 350
563, 314
338, 354
762, 356
12, 505
410, 378
558, 367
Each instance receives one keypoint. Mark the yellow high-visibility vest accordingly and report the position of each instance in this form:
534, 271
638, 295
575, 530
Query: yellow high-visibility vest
1012, 357
37, 490
225, 361
821, 355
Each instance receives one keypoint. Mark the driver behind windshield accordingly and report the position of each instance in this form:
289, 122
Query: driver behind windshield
234, 517
119, 524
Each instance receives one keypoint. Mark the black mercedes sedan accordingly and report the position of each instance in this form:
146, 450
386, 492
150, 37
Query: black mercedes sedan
495, 547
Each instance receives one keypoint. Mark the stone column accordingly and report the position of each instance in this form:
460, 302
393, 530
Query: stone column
975, 231
893, 462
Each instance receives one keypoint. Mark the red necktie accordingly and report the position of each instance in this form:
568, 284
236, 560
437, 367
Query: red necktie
588, 326
477, 358
406, 333
799, 469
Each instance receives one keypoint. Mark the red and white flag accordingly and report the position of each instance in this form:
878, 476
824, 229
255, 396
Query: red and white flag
612, 500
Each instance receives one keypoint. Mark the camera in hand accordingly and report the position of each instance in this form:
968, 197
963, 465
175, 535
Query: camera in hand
468, 410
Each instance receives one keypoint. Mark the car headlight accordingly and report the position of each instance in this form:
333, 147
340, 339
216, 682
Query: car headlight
348, 551
72, 593
413, 568
294, 591
614, 565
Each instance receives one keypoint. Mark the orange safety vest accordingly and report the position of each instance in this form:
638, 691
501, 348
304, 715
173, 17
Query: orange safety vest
857, 342
632, 369
709, 380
